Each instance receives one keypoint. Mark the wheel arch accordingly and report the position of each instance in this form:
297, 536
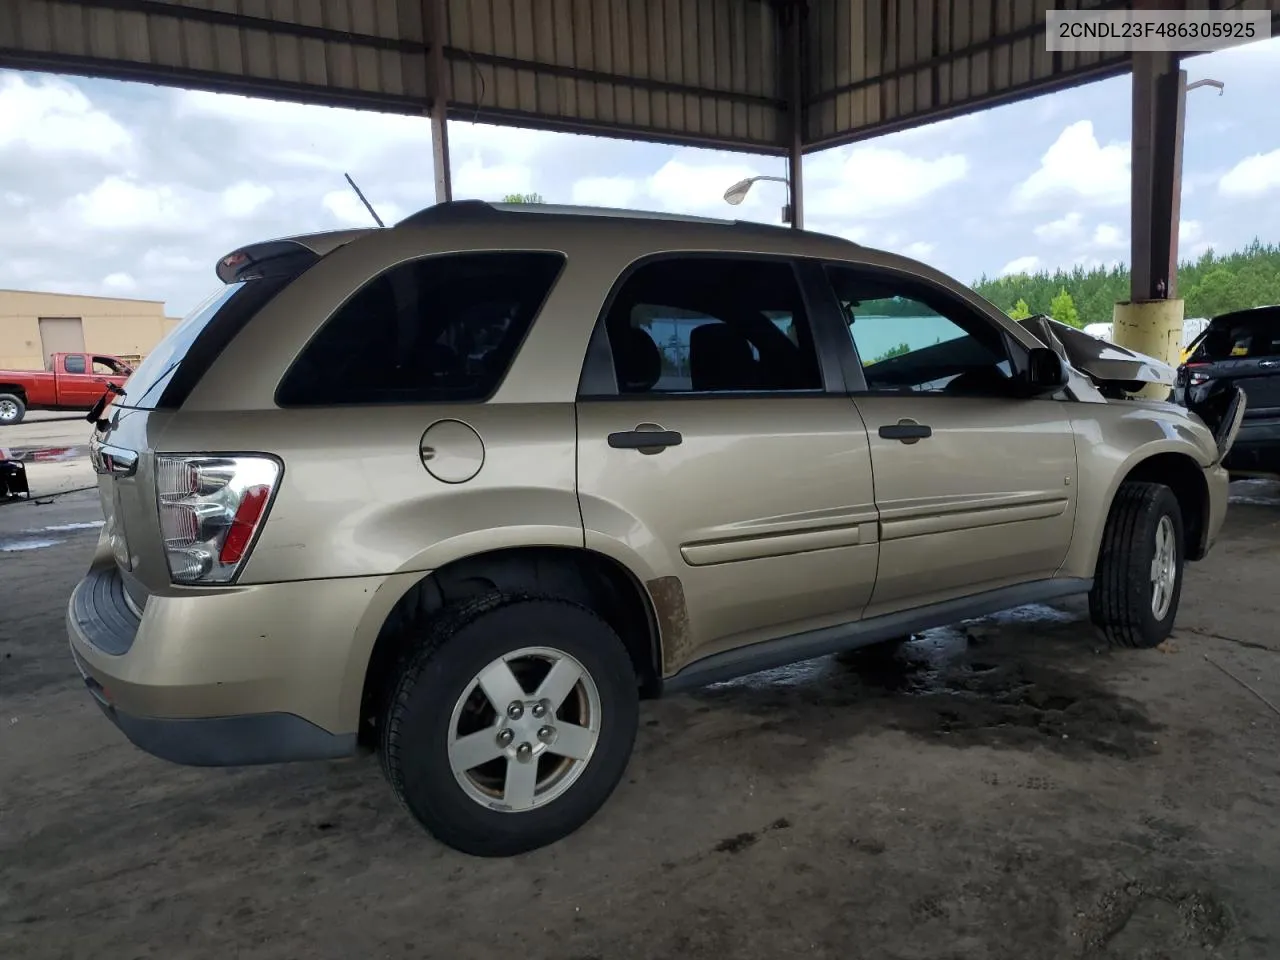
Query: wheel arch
1173, 464
586, 576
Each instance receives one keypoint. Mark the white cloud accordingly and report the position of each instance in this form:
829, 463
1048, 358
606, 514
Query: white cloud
874, 181
919, 250
1067, 228
1077, 166
605, 191
52, 117
346, 208
244, 199
1107, 236
680, 186
1189, 231
1252, 177
120, 283
1020, 265
473, 178
118, 204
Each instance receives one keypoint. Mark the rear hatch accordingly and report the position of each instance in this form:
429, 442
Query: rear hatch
123, 446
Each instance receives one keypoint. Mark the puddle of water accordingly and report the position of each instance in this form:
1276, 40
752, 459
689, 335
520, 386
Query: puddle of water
45, 454
14, 546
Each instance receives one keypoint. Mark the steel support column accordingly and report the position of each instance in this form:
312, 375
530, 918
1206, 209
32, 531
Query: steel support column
439, 80
1159, 95
792, 14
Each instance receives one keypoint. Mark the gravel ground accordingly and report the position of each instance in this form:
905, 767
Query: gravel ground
1003, 789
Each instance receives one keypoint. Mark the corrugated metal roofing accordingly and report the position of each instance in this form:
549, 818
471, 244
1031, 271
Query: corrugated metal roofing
698, 71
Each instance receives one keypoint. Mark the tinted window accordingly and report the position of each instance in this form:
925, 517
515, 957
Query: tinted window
73, 364
913, 338
440, 329
709, 324
1256, 337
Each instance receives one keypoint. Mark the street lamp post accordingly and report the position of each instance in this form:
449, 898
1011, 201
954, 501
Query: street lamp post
738, 192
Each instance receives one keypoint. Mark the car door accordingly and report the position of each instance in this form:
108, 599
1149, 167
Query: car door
719, 457
76, 385
975, 486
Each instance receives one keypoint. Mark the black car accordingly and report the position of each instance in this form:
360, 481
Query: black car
1240, 349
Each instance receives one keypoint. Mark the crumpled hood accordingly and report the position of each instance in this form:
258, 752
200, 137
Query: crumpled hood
1100, 359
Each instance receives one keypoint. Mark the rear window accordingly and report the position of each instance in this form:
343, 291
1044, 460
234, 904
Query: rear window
441, 329
172, 369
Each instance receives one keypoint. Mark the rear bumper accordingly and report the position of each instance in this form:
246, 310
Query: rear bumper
245, 675
240, 740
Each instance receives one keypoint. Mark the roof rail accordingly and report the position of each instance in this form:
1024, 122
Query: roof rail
473, 211
482, 211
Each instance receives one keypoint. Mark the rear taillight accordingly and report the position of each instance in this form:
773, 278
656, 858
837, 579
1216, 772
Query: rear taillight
1196, 374
211, 509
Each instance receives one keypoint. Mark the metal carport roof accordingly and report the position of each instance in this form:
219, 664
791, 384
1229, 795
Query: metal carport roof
708, 72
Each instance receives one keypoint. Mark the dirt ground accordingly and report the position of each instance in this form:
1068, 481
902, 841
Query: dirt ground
1004, 789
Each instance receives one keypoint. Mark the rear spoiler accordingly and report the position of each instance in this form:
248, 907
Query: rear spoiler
278, 257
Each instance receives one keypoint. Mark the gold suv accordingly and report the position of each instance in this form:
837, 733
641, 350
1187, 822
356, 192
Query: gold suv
464, 490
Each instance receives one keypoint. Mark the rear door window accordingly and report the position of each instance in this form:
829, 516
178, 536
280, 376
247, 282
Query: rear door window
73, 363
440, 329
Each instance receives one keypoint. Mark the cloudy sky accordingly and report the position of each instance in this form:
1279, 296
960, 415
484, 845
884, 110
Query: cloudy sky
131, 190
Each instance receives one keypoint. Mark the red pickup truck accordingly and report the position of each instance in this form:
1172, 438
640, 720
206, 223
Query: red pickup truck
74, 381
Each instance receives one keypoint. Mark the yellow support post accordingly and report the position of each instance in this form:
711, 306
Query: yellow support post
1153, 327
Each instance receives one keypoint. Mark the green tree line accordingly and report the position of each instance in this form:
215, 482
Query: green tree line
1209, 285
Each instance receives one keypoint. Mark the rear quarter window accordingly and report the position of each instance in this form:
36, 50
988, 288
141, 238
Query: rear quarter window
442, 329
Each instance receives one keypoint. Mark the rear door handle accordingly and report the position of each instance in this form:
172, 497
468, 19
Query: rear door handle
645, 440
908, 431
1269, 363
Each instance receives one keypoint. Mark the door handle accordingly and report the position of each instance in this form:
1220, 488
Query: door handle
908, 431
1269, 363
646, 441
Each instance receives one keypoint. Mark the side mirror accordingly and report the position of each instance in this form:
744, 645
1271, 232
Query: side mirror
1046, 373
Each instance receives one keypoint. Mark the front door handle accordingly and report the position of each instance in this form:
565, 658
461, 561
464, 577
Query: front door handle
1269, 363
908, 431
649, 440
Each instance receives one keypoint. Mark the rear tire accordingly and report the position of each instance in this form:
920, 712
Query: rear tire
12, 409
1138, 581
523, 793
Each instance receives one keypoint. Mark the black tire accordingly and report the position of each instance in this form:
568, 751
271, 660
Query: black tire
10, 402
415, 731
1120, 603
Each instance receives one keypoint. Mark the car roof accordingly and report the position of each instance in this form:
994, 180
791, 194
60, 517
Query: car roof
1269, 312
664, 229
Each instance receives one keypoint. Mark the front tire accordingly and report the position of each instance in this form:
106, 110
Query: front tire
12, 409
511, 724
1138, 581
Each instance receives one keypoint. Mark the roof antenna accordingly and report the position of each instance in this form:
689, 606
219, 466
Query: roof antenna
367, 205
